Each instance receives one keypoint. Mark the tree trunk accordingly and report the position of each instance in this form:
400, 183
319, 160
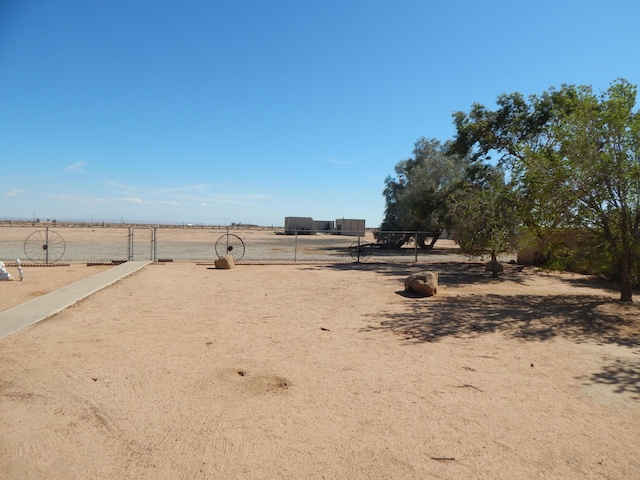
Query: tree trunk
626, 283
422, 243
494, 264
434, 239
421, 239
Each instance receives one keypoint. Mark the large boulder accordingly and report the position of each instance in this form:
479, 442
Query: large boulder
225, 262
425, 283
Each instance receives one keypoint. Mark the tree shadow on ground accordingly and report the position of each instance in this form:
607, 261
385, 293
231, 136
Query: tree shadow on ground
463, 273
579, 318
457, 273
590, 281
623, 375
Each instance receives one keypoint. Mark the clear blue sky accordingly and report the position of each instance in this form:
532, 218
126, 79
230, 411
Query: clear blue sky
248, 111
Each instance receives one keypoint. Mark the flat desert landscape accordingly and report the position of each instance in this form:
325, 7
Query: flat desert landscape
182, 371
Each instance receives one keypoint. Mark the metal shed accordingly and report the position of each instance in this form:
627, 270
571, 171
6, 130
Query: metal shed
324, 225
299, 225
350, 226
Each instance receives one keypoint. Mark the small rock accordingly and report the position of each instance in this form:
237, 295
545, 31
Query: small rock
225, 262
495, 268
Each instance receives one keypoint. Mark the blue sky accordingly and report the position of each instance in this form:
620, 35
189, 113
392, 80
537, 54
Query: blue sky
249, 111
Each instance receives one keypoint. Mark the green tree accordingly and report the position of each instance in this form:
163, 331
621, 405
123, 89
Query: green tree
485, 212
417, 197
575, 157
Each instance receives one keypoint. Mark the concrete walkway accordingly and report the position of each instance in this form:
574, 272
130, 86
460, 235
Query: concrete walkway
39, 308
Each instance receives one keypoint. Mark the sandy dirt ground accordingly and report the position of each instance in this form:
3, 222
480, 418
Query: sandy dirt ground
41, 280
181, 371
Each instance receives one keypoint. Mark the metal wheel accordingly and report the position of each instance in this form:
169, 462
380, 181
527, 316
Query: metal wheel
44, 246
230, 244
360, 251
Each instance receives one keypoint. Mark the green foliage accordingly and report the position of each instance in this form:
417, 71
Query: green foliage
574, 250
574, 159
418, 196
485, 211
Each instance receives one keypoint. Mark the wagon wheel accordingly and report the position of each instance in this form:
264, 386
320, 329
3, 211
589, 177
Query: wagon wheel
230, 244
360, 251
44, 246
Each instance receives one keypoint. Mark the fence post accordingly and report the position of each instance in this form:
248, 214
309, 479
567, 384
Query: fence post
154, 255
46, 244
295, 248
130, 247
415, 247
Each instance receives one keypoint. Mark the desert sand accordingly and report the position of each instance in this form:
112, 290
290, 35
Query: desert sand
181, 371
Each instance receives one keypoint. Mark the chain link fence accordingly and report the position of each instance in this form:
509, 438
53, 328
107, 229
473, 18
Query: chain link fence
48, 244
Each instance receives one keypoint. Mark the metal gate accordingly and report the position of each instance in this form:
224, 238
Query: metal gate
142, 243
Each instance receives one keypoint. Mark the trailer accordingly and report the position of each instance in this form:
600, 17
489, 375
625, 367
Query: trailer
350, 227
324, 226
299, 226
